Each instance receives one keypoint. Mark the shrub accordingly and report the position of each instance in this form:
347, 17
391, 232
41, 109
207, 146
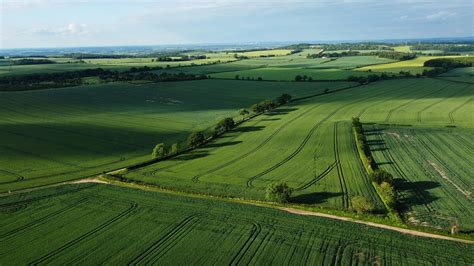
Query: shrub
195, 138
158, 151
380, 176
225, 124
362, 205
279, 193
284, 98
389, 194
174, 149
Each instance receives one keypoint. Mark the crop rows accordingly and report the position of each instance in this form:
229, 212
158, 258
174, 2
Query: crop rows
162, 226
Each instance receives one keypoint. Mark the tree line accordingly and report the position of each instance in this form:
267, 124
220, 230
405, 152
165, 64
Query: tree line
74, 78
380, 177
31, 61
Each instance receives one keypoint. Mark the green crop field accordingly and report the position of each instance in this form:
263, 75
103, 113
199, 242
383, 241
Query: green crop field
217, 133
100, 224
288, 74
314, 133
62, 134
414, 66
275, 52
434, 170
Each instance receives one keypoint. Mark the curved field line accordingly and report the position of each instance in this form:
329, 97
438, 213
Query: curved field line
41, 220
262, 244
196, 177
18, 177
418, 114
303, 143
155, 171
340, 172
451, 113
337, 260
294, 153
92, 232
418, 194
447, 167
167, 241
256, 230
363, 110
318, 177
390, 112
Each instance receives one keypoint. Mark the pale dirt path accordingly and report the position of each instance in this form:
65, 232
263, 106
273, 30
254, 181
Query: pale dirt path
383, 226
89, 180
290, 210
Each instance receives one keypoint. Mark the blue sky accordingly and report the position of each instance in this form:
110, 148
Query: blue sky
65, 23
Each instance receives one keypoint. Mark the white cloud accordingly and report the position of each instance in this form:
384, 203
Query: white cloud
441, 15
72, 29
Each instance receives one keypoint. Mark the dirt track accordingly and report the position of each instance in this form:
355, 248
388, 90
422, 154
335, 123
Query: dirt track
383, 226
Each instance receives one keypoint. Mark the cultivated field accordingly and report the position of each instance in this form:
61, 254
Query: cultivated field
414, 66
289, 74
101, 224
315, 133
433, 170
62, 134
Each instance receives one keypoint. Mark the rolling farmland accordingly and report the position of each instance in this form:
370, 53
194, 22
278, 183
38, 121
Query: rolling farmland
314, 132
414, 66
433, 169
203, 202
90, 224
62, 134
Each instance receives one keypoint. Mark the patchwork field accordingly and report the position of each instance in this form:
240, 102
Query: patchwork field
101, 224
120, 64
289, 74
62, 134
315, 133
433, 170
414, 66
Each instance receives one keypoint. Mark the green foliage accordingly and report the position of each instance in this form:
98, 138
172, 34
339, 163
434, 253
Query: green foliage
174, 149
380, 176
225, 125
158, 151
280, 193
243, 112
362, 204
389, 194
284, 98
196, 138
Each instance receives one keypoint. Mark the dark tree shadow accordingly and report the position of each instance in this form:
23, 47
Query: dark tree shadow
375, 142
271, 119
281, 111
191, 156
223, 144
372, 131
314, 198
248, 128
416, 193
382, 163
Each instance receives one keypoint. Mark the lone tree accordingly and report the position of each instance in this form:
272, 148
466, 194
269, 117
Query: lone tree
279, 193
158, 151
380, 175
174, 149
243, 112
362, 205
284, 98
195, 138
225, 125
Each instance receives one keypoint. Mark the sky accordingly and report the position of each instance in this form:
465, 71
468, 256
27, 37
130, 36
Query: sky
74, 23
